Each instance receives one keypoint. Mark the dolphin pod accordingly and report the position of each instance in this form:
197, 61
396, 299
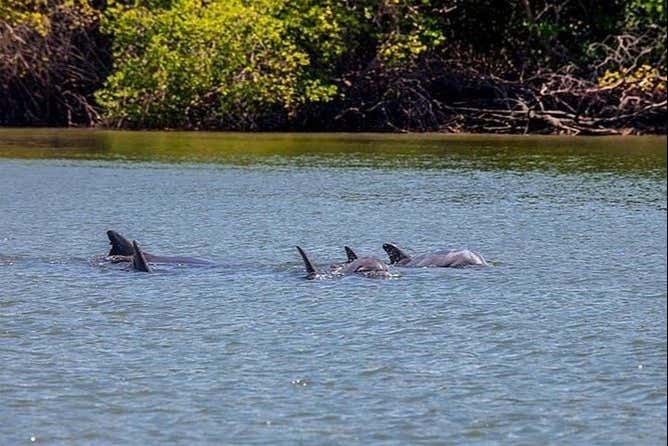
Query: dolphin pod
123, 250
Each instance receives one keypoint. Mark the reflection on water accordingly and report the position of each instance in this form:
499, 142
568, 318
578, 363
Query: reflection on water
643, 155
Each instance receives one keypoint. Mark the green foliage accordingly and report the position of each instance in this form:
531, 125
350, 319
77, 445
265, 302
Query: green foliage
37, 15
649, 16
409, 31
248, 64
643, 13
189, 63
224, 63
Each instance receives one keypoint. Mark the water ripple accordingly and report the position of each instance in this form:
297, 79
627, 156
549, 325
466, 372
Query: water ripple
561, 340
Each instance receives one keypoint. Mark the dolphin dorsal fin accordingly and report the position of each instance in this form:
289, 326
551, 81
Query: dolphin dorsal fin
120, 246
139, 262
350, 253
395, 253
310, 269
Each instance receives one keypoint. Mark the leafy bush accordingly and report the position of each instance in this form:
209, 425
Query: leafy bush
231, 64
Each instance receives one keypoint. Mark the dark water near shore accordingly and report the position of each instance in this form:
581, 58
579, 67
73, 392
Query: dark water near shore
561, 341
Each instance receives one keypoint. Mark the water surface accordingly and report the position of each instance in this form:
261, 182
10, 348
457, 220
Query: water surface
561, 341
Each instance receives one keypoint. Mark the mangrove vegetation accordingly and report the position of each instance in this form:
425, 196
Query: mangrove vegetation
503, 66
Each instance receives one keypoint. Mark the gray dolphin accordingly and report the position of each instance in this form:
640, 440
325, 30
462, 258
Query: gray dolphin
452, 258
366, 266
139, 262
122, 250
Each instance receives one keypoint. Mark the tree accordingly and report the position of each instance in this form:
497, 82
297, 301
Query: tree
51, 60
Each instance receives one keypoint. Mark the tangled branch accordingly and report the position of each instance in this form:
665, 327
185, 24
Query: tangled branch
48, 76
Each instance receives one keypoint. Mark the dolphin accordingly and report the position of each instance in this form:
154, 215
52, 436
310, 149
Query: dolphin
452, 258
139, 262
122, 250
365, 266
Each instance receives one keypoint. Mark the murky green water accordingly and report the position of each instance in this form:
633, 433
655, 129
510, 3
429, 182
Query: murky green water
561, 341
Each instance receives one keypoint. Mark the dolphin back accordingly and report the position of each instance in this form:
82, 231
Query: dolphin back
176, 259
457, 258
364, 265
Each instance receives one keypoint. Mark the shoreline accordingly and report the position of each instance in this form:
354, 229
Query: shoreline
340, 133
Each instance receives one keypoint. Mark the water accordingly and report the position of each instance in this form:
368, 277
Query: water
561, 341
